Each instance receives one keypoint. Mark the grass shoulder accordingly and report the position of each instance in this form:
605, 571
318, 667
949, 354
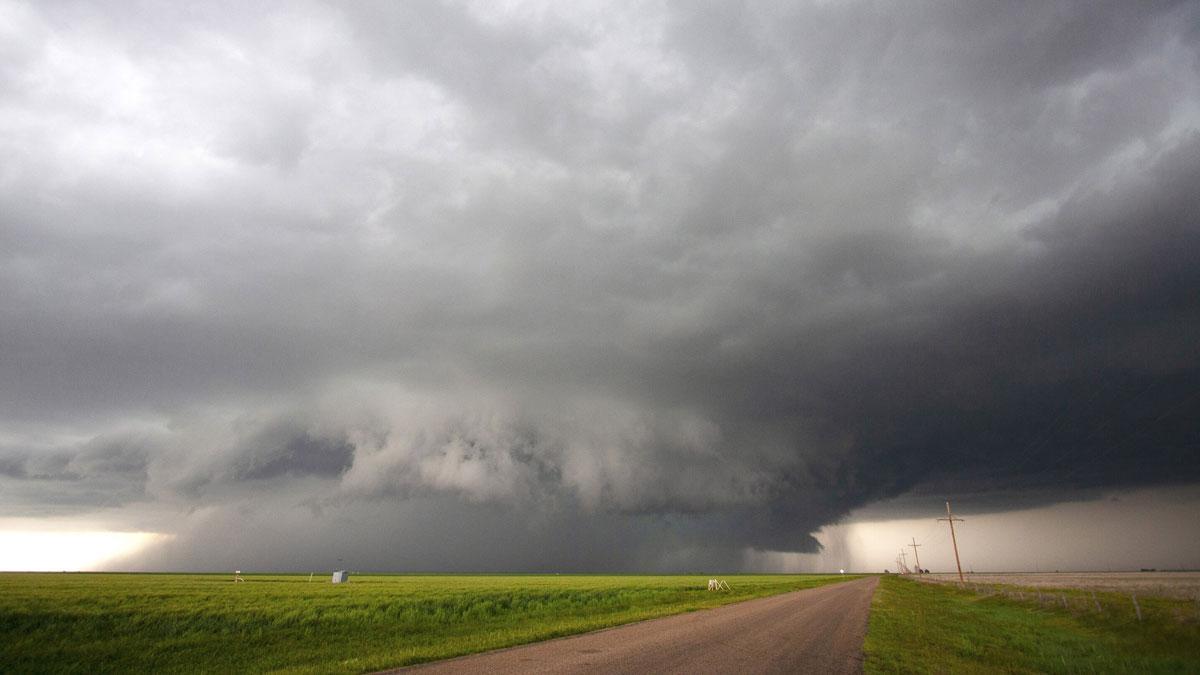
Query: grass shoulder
919, 627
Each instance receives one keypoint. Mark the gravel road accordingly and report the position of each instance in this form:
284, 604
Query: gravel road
819, 630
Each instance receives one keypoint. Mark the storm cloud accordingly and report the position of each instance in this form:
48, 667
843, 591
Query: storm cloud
450, 286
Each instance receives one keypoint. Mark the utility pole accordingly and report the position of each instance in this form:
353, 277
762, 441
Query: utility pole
904, 560
914, 546
950, 519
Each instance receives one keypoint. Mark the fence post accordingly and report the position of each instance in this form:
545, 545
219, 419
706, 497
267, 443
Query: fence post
1136, 607
1095, 600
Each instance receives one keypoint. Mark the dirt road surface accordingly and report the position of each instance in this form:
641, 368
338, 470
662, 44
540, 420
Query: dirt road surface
819, 630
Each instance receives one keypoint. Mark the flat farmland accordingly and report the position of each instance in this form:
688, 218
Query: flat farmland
1003, 627
1183, 585
285, 623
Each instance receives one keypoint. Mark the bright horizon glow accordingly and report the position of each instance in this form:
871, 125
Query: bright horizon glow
58, 551
1069, 536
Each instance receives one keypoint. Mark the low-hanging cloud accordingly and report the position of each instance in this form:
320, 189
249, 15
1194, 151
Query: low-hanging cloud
637, 285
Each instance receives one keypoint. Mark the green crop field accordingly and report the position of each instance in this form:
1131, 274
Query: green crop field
919, 627
89, 623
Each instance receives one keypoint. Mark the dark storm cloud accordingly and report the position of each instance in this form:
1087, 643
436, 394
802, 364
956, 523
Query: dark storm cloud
123, 457
107, 471
689, 278
280, 451
1074, 366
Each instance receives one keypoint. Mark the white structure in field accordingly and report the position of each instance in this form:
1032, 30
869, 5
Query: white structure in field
237, 576
717, 585
341, 577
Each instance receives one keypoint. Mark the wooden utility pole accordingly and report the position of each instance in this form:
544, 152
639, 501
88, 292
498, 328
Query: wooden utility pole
950, 519
914, 546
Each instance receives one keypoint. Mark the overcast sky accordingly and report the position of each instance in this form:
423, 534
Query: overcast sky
562, 286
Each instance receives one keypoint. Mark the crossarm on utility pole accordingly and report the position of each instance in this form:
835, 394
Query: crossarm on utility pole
950, 519
914, 546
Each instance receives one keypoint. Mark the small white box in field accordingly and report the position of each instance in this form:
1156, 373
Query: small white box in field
341, 577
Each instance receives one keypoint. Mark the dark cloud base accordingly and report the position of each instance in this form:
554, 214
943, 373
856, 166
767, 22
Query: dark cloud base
636, 291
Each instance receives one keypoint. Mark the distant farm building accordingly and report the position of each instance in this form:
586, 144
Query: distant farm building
341, 577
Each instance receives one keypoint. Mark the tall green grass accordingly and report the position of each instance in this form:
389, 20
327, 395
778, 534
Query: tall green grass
918, 627
89, 623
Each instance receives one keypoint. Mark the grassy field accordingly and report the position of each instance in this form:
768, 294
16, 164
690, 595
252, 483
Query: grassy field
920, 627
1184, 585
89, 623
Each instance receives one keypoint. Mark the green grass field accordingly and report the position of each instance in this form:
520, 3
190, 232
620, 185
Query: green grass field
918, 627
89, 623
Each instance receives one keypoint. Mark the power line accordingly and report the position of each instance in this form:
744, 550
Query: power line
932, 531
